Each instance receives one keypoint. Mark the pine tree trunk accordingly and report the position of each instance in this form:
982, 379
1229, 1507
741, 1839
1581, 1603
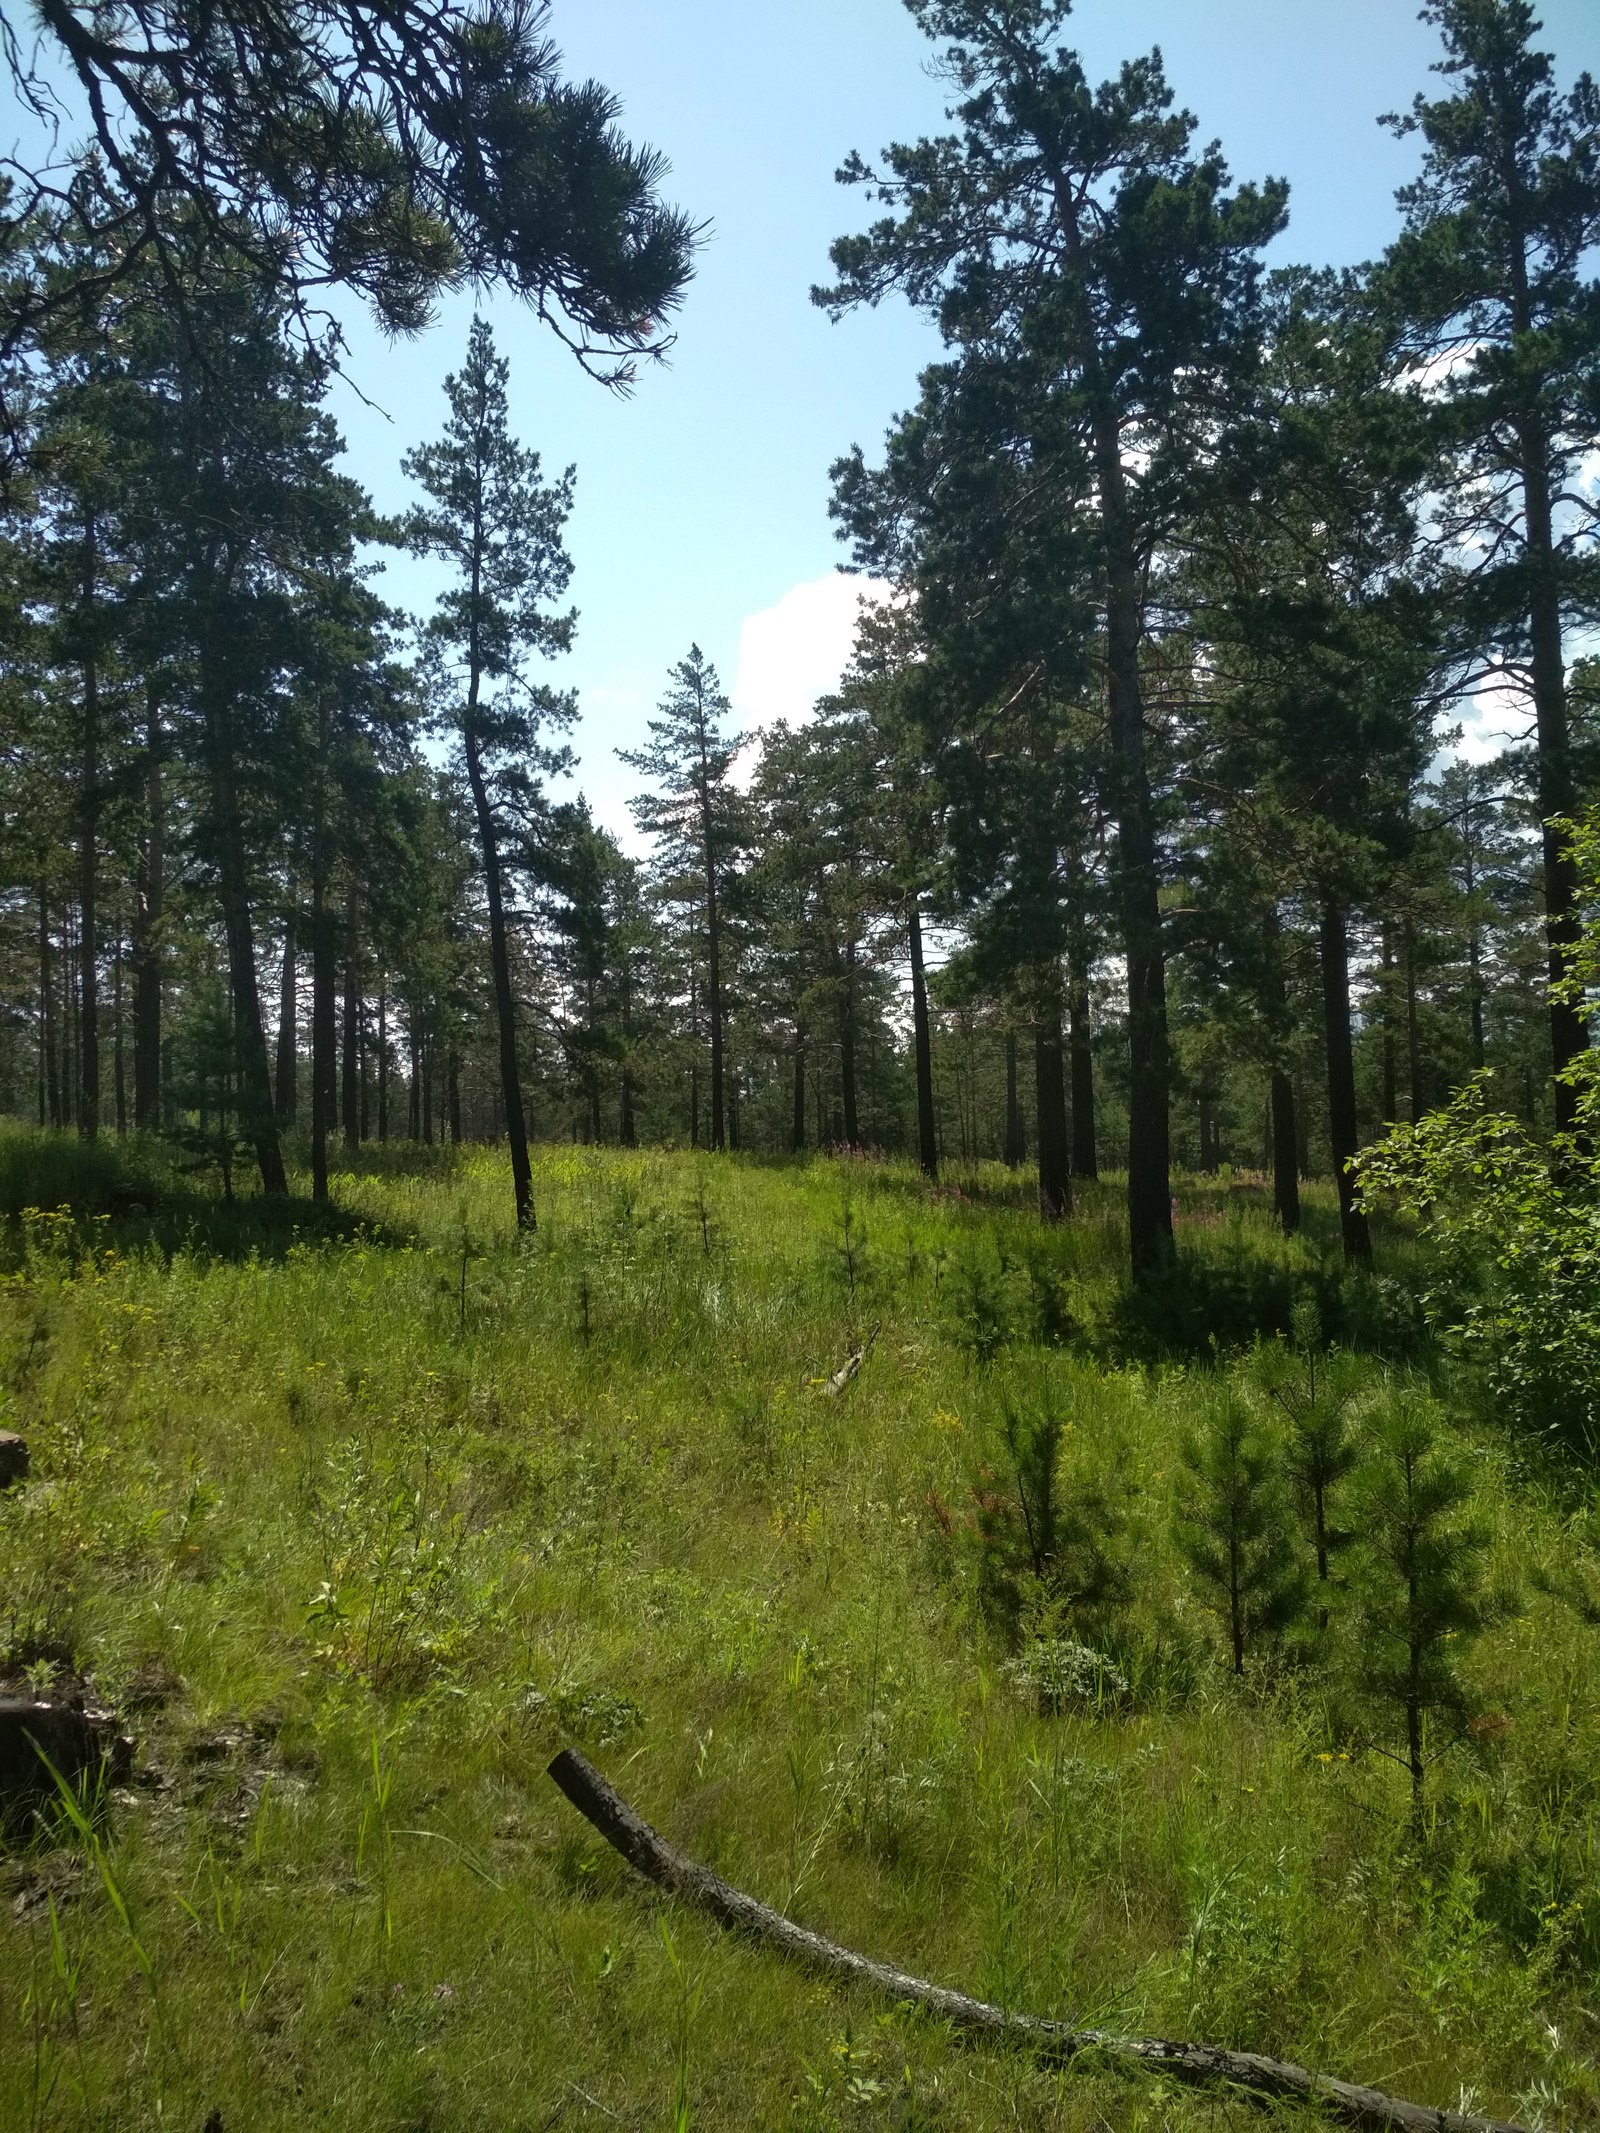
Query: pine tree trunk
149, 906
89, 860
364, 1074
1050, 1102
1285, 1154
847, 1048
49, 1061
286, 1092
797, 1121
70, 1076
350, 1059
927, 1141
1413, 1026
1475, 994
1391, 1072
627, 1130
1016, 1138
383, 1059
1341, 1079
453, 1095
500, 958
233, 882
718, 1118
1138, 877
323, 1034
1085, 1155
1569, 1035
119, 1078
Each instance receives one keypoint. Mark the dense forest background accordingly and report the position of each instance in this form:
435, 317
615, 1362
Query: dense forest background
1136, 835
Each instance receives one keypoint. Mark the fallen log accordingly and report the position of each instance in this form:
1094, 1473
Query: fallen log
850, 1369
650, 1854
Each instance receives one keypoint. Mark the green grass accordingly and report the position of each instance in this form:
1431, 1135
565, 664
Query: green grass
363, 1526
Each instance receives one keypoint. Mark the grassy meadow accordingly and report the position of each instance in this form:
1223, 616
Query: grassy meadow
357, 1522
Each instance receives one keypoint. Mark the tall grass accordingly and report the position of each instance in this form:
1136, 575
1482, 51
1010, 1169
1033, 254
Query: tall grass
361, 1527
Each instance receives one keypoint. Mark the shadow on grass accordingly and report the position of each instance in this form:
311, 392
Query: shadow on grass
132, 1195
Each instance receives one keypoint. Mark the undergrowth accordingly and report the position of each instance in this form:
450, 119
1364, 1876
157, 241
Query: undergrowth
358, 1526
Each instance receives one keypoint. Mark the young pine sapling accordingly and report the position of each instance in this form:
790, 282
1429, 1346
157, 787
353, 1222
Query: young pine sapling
1315, 1391
1422, 1592
1235, 1526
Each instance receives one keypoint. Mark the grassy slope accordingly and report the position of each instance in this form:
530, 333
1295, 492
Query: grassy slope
367, 1546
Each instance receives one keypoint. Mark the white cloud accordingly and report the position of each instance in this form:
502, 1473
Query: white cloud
797, 650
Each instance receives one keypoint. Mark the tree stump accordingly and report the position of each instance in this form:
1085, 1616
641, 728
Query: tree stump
82, 1744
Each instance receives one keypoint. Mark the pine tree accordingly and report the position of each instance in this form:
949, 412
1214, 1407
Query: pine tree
498, 523
1234, 1525
695, 818
1080, 259
1495, 299
1422, 1597
398, 149
1315, 1392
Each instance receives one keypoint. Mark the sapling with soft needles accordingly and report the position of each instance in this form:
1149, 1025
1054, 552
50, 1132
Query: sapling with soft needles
1314, 1391
1234, 1525
1424, 1597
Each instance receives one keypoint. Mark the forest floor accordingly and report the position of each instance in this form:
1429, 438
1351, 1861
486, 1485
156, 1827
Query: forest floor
358, 1526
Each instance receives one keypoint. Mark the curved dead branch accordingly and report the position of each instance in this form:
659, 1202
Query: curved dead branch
649, 1854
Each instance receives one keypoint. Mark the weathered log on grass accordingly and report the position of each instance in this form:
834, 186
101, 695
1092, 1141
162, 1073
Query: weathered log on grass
850, 1369
651, 1855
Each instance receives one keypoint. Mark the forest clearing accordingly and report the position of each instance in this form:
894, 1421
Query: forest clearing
799, 1240
357, 1532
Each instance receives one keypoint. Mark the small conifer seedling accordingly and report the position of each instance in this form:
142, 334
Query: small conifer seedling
1235, 1526
1315, 1392
1422, 1593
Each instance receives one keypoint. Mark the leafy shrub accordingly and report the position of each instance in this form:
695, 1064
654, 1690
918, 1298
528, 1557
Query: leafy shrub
1054, 1673
585, 1710
1516, 1287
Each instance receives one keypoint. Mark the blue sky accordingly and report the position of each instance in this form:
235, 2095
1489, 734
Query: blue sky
702, 501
